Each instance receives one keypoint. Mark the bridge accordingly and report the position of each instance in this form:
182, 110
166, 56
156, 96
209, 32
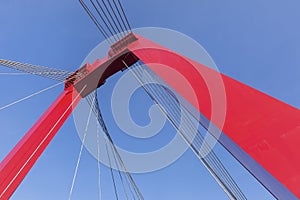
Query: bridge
257, 145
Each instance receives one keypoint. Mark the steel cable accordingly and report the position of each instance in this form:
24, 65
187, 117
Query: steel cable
91, 99
29, 96
211, 158
238, 193
107, 26
129, 180
98, 163
226, 174
54, 74
168, 100
106, 17
96, 22
116, 17
120, 15
124, 15
182, 131
80, 154
112, 16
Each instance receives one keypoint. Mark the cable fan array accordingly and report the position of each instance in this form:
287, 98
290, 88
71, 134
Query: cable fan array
175, 112
130, 188
109, 17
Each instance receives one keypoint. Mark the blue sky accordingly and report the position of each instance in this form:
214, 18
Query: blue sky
256, 42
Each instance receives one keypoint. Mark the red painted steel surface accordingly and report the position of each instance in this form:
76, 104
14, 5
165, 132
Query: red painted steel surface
265, 128
20, 160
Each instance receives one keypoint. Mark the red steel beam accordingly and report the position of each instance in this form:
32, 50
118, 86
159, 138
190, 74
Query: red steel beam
20, 160
262, 132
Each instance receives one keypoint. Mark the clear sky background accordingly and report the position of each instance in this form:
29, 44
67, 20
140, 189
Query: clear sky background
256, 42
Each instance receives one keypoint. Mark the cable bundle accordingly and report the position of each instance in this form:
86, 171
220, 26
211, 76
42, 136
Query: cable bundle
174, 111
109, 17
55, 74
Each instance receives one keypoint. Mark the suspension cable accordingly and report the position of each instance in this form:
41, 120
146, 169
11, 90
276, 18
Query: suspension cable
93, 18
226, 187
118, 11
132, 182
29, 96
52, 73
111, 171
106, 17
91, 99
211, 158
175, 126
124, 15
14, 73
108, 27
119, 171
115, 15
80, 153
198, 140
98, 163
129, 180
111, 15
